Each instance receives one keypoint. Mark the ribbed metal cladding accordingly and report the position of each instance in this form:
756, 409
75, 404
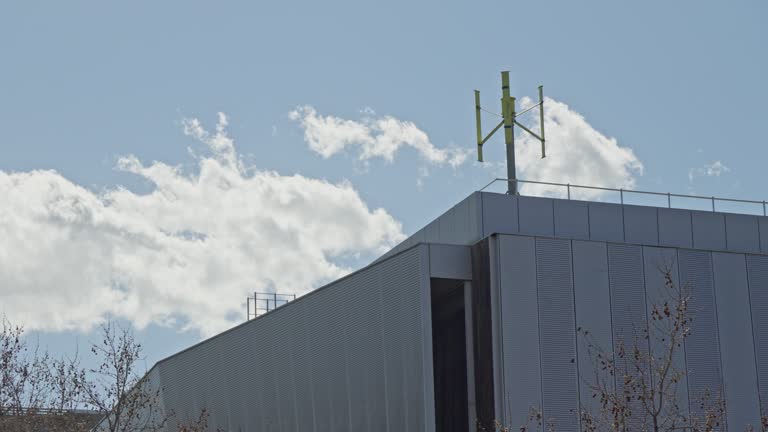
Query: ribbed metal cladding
593, 313
702, 349
757, 270
557, 333
625, 269
301, 362
348, 357
401, 331
521, 387
365, 366
737, 349
628, 308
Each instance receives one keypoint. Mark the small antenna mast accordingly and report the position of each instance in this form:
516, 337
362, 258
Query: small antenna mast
509, 120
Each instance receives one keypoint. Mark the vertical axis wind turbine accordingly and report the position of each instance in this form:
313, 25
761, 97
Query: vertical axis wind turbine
509, 120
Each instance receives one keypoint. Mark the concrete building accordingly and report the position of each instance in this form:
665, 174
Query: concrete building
475, 317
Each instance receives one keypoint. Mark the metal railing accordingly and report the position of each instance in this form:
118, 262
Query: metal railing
265, 302
32, 411
626, 195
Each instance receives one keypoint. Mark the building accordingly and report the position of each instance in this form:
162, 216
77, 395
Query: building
475, 316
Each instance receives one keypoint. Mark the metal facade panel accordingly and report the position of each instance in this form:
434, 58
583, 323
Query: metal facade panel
657, 262
557, 333
499, 213
301, 356
449, 225
238, 380
432, 232
283, 361
450, 262
675, 227
625, 263
593, 312
536, 216
757, 270
736, 341
270, 414
402, 341
475, 214
628, 307
152, 415
321, 364
742, 233
762, 226
702, 347
484, 324
571, 219
460, 224
708, 230
366, 367
606, 222
348, 357
497, 328
641, 225
520, 329
337, 357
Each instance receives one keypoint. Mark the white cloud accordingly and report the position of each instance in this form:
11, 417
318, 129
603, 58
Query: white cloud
186, 253
576, 154
372, 137
715, 169
423, 173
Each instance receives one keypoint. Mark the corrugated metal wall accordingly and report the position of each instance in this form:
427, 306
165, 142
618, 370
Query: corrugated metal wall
519, 307
757, 268
549, 287
628, 313
352, 356
737, 353
559, 382
703, 342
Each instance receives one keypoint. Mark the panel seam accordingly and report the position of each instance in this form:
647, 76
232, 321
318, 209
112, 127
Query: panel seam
500, 325
538, 324
717, 332
685, 342
752, 328
576, 340
610, 302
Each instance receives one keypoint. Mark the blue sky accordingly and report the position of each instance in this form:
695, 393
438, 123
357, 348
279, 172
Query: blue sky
680, 86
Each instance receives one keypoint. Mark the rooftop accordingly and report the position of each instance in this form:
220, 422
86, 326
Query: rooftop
580, 212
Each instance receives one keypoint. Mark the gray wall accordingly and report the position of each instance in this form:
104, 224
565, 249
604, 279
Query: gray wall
650, 226
549, 287
483, 213
352, 356
460, 225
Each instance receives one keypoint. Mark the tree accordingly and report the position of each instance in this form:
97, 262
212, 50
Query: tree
65, 377
199, 425
637, 385
23, 373
127, 400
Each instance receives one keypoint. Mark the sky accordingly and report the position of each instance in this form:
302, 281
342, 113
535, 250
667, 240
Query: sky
161, 160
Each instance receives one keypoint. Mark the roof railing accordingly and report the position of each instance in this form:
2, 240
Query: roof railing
625, 195
31, 411
265, 302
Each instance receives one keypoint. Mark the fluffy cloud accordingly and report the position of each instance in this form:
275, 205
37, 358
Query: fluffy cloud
372, 137
576, 154
715, 169
185, 254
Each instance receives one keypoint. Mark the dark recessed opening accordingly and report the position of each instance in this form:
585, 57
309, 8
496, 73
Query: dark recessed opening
449, 356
